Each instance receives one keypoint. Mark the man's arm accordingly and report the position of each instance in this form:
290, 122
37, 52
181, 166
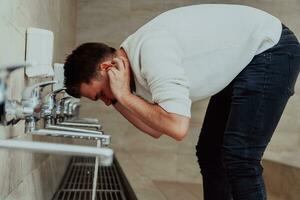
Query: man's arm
173, 125
136, 121
154, 116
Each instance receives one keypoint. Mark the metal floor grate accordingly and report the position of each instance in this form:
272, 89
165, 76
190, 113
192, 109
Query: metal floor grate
78, 182
86, 194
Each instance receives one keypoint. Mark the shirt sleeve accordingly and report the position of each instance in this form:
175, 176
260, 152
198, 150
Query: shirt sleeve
161, 68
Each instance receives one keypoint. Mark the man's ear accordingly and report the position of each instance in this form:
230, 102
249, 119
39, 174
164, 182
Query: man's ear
105, 65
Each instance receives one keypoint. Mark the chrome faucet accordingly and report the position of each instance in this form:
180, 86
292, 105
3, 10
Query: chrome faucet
49, 106
31, 101
51, 110
67, 111
6, 118
60, 108
28, 107
105, 139
81, 123
63, 113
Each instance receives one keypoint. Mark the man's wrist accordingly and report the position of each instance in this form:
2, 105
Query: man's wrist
123, 99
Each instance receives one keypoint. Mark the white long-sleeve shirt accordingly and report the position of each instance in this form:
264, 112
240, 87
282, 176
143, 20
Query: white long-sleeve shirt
193, 52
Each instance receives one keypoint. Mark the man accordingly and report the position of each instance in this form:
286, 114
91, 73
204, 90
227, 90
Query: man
242, 57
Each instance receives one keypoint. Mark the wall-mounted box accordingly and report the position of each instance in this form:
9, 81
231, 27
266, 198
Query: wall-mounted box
39, 52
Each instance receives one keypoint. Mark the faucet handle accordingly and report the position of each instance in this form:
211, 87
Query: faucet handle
60, 106
12, 67
65, 99
73, 108
31, 94
49, 98
4, 73
7, 69
49, 103
55, 92
32, 91
59, 90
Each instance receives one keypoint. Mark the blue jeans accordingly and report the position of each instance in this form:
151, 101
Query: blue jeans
240, 121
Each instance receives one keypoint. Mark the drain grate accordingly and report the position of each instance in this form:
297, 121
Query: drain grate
81, 177
85, 194
83, 160
78, 182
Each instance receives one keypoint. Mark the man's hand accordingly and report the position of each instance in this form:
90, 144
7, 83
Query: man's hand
119, 78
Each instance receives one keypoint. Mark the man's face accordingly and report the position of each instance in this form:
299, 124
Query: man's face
98, 88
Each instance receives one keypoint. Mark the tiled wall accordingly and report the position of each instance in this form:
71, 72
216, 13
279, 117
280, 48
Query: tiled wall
25, 175
166, 159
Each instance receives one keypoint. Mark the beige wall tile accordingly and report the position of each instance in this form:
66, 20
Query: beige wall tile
6, 10
136, 141
195, 189
142, 185
282, 181
139, 17
47, 186
106, 31
5, 132
25, 190
6, 31
5, 167
188, 169
58, 166
15, 172
175, 190
144, 5
34, 186
170, 4
147, 190
198, 112
187, 146
157, 165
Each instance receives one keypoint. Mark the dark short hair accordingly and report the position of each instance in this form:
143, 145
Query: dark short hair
81, 65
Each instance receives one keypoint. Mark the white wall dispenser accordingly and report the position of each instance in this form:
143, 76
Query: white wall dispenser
39, 52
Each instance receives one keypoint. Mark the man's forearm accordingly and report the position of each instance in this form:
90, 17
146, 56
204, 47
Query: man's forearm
154, 116
136, 121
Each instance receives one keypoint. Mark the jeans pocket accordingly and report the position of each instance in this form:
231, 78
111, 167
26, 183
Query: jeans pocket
252, 78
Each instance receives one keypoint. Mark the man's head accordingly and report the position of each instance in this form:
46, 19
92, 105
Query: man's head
85, 72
